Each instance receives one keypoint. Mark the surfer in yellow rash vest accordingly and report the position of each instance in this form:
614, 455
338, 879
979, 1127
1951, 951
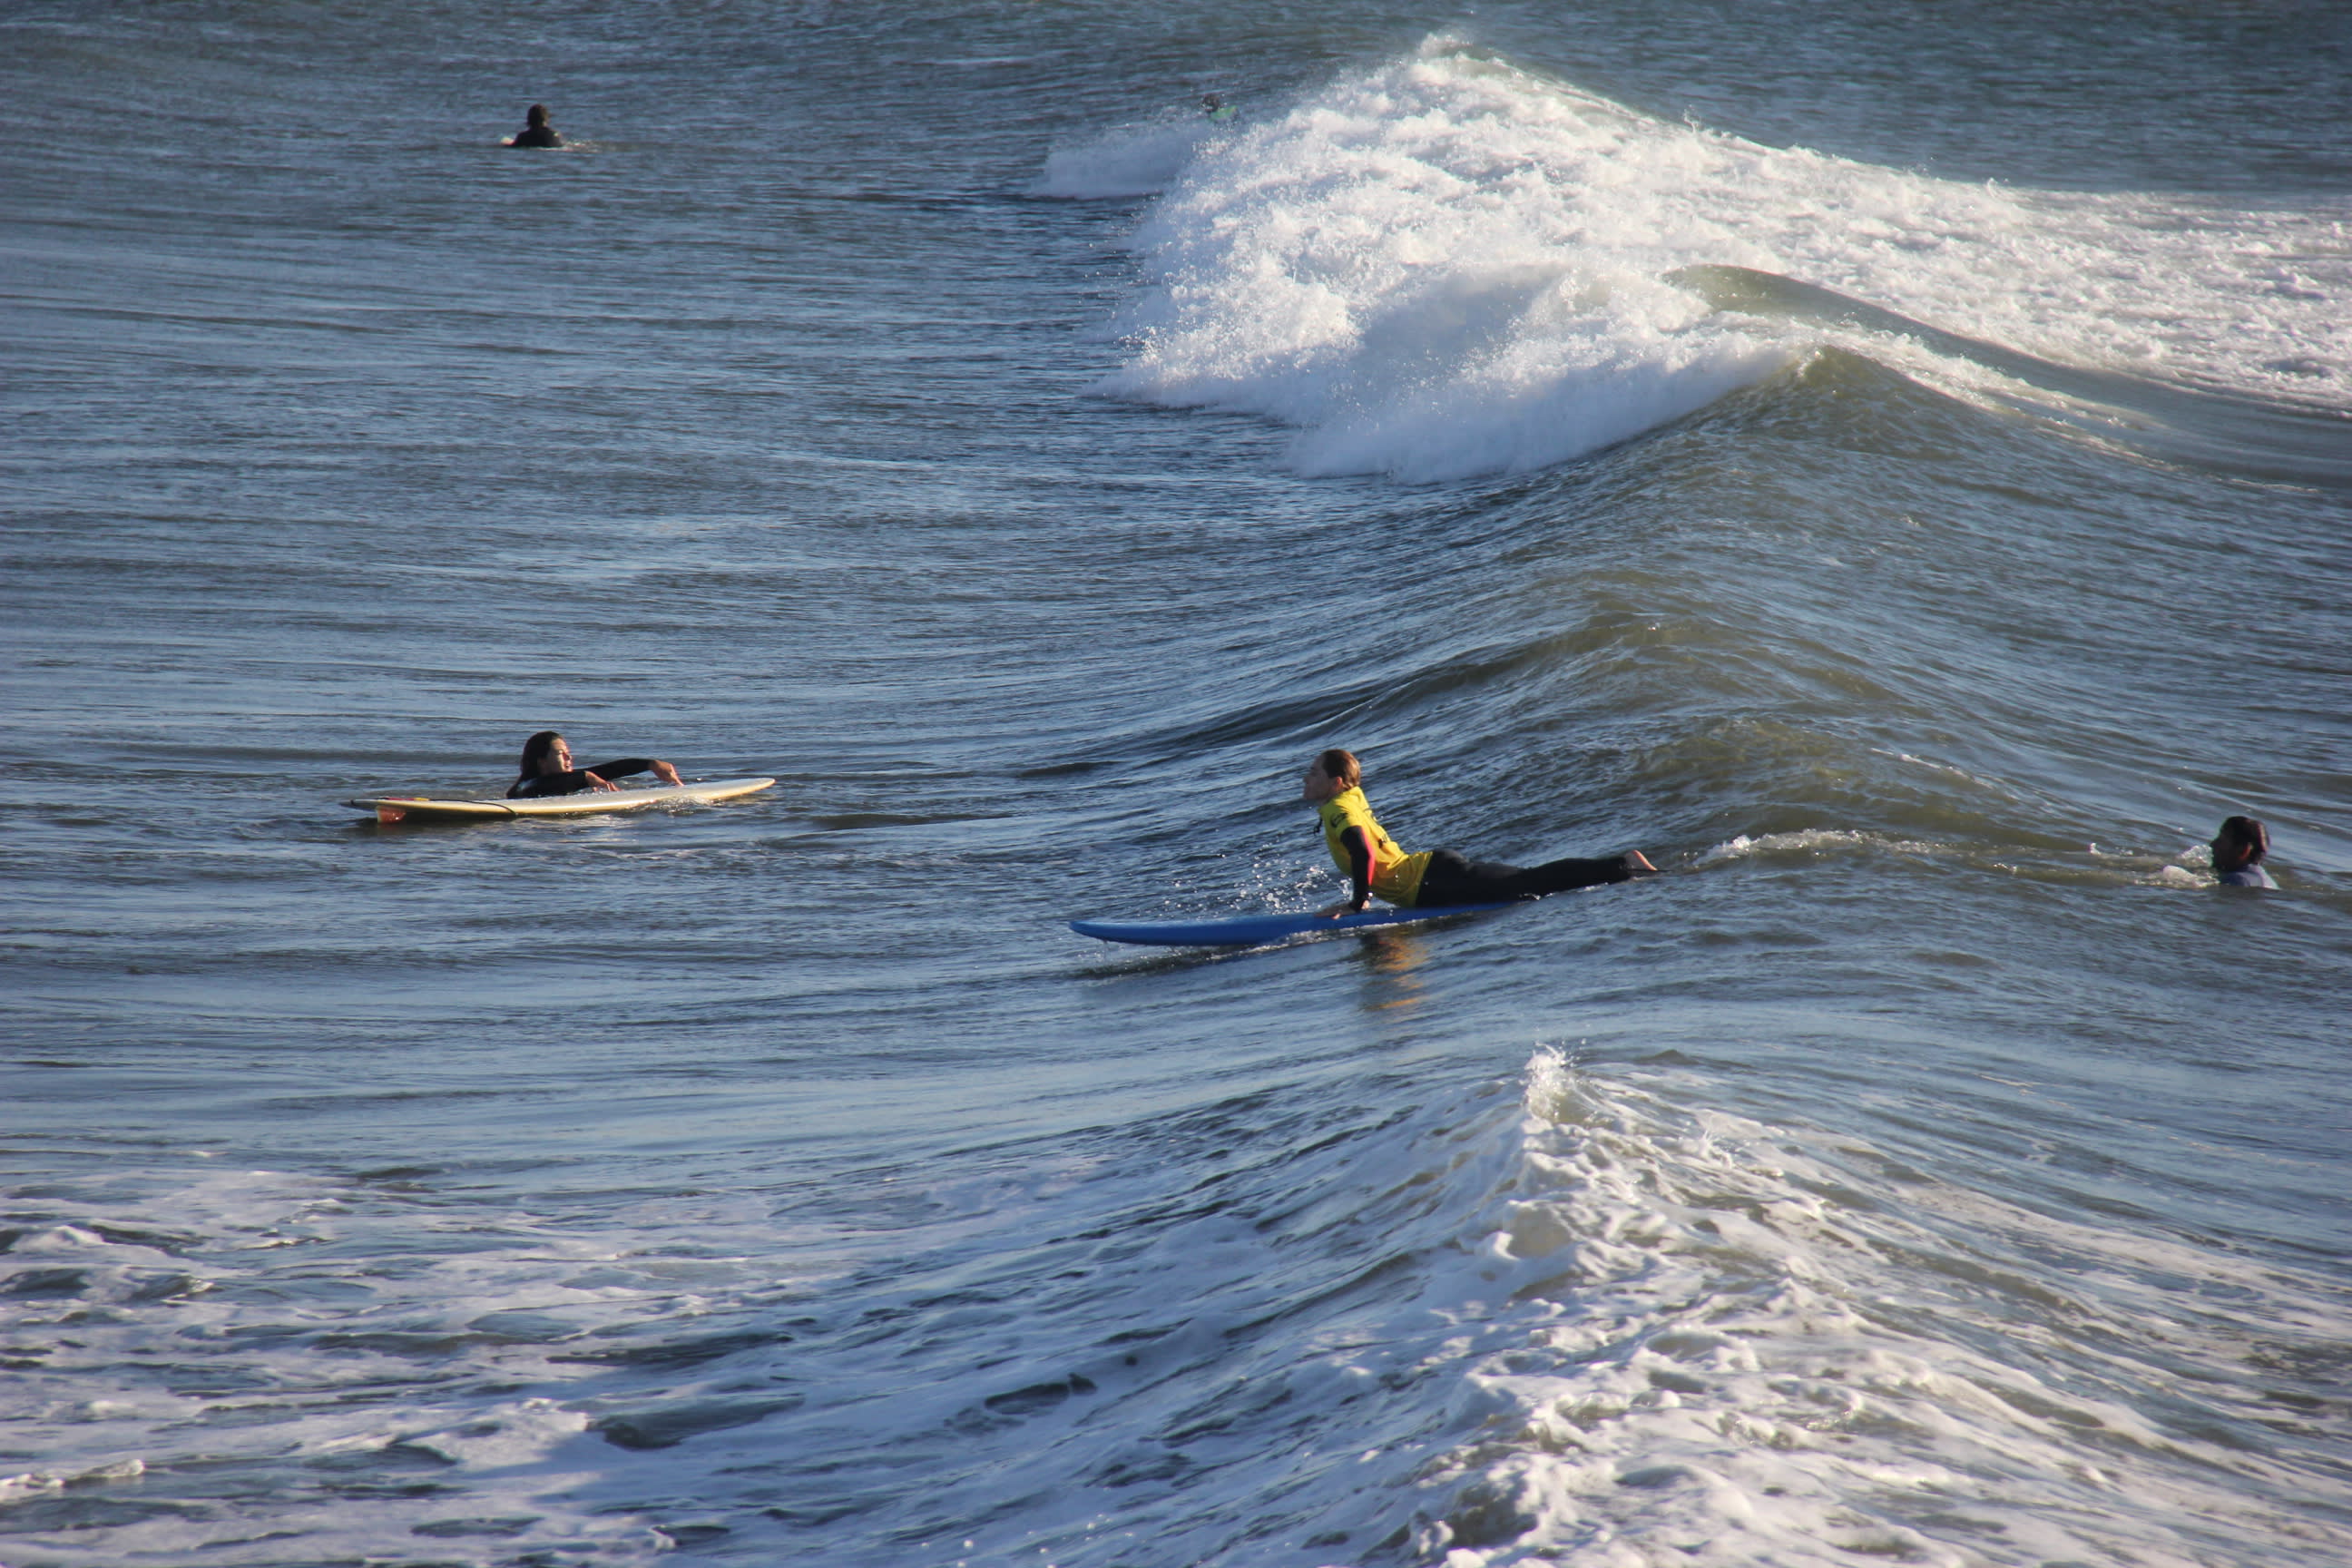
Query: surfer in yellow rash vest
1434, 878
546, 769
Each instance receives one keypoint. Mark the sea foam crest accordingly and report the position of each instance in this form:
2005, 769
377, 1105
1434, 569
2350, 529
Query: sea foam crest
1448, 265
1408, 268
1696, 1330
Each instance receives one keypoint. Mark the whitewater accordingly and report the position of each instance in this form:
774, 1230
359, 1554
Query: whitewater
1891, 467
1451, 267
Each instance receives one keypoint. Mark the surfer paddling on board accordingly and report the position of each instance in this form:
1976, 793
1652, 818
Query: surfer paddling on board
2238, 851
536, 131
547, 769
1434, 878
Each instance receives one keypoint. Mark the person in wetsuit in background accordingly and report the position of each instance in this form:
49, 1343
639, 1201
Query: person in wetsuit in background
2238, 851
547, 769
536, 131
1434, 878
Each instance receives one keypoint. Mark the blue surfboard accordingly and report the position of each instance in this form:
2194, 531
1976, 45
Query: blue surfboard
1252, 931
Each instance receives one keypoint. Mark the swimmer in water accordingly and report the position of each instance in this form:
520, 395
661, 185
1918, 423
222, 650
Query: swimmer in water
1216, 108
536, 131
2238, 851
547, 769
1434, 878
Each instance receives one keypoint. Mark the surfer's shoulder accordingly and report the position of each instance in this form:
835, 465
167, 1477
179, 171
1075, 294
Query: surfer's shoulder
2238, 850
536, 131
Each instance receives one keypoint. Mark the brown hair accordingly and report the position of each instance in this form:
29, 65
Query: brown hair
1342, 766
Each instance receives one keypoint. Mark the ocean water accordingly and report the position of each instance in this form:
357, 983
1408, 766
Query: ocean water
1893, 465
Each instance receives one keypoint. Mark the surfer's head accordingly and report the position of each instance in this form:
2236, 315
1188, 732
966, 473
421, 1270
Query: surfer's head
535, 119
2241, 842
546, 752
1331, 772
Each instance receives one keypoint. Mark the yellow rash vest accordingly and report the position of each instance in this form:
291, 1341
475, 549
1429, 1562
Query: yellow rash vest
1396, 875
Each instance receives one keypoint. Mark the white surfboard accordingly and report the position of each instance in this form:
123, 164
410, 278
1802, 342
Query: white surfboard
394, 808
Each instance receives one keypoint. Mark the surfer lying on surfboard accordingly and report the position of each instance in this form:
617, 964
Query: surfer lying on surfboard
1434, 878
547, 769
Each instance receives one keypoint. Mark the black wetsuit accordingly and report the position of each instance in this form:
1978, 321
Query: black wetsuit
537, 136
575, 781
1453, 880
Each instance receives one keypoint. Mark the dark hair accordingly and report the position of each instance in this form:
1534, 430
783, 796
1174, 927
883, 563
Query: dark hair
1342, 766
535, 749
538, 115
2245, 832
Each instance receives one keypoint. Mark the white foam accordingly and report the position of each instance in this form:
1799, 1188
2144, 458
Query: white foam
1691, 1333
1815, 841
1447, 266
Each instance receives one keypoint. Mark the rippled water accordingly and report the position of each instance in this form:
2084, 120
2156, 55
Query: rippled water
1893, 468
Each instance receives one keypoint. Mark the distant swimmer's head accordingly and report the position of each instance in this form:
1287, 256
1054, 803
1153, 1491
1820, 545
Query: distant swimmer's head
1332, 773
536, 131
545, 752
2241, 842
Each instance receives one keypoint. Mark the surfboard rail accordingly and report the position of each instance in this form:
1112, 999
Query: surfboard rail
395, 808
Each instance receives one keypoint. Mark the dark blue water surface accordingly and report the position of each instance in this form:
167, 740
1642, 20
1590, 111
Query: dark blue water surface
1895, 468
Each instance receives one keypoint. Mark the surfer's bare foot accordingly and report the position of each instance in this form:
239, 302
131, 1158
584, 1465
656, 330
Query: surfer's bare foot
1640, 862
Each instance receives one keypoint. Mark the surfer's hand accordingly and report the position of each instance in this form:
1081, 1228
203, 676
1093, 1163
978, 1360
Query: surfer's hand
598, 783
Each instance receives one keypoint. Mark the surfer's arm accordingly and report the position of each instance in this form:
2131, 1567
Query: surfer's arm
627, 767
1363, 865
